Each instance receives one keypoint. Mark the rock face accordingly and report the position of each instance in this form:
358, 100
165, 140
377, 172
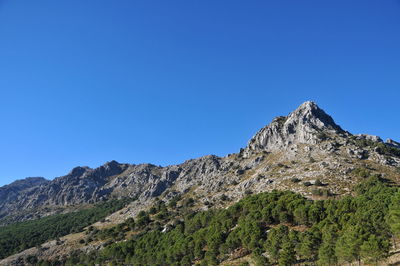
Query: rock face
81, 185
306, 145
9, 193
307, 124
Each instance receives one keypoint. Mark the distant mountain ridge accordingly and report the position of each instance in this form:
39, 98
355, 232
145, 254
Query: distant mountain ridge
10, 192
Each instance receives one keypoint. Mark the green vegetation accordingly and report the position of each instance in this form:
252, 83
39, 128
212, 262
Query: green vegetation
332, 231
361, 172
20, 236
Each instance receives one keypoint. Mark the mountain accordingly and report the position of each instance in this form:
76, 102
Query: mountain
305, 152
308, 133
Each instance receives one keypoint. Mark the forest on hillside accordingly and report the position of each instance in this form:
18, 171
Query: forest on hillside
278, 227
20, 236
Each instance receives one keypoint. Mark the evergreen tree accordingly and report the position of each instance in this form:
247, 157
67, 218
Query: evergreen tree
309, 244
287, 255
348, 245
275, 239
374, 249
326, 252
301, 215
393, 217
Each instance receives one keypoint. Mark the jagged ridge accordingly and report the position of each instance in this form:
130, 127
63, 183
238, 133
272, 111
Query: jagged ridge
308, 125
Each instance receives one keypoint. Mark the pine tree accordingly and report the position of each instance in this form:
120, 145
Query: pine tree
348, 245
393, 217
287, 256
326, 254
374, 249
309, 244
274, 242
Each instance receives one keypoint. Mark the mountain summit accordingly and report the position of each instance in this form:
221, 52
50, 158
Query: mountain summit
307, 124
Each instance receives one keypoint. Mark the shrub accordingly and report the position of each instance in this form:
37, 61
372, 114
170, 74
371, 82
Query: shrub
188, 202
318, 183
316, 192
248, 192
307, 184
362, 172
153, 210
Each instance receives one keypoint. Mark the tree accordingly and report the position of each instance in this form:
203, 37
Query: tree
287, 256
300, 215
274, 241
348, 245
258, 258
210, 258
393, 217
143, 219
326, 252
315, 212
309, 243
31, 259
374, 249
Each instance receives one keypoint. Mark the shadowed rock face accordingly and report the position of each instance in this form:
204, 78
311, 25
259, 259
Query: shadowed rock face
304, 125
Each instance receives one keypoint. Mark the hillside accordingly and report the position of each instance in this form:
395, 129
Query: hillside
305, 152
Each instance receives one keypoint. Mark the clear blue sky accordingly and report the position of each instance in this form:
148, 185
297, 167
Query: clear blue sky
85, 82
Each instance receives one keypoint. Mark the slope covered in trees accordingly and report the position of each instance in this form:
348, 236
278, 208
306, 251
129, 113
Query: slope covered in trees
273, 228
20, 236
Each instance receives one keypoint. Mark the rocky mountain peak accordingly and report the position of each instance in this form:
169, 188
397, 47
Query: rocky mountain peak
78, 171
309, 113
304, 125
109, 169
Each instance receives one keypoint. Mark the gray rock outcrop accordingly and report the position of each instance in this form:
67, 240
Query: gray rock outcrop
308, 124
369, 137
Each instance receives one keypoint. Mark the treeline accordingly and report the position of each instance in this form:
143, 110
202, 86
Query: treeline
20, 236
